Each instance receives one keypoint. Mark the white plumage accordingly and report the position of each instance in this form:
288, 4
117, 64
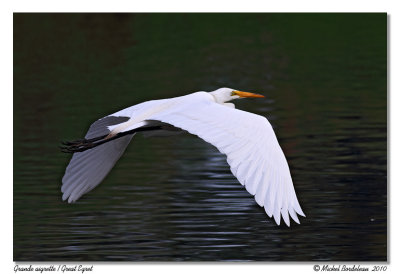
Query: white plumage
247, 139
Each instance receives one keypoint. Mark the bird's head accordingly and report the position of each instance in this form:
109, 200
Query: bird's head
223, 95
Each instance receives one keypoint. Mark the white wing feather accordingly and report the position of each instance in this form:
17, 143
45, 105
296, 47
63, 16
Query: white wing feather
88, 168
252, 151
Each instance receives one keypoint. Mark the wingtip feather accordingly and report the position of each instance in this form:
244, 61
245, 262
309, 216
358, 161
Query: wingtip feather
294, 215
285, 217
277, 218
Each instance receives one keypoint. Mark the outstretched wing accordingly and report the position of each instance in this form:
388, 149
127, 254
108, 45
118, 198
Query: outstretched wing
88, 168
252, 151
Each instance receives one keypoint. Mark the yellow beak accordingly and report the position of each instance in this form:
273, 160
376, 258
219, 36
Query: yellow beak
247, 94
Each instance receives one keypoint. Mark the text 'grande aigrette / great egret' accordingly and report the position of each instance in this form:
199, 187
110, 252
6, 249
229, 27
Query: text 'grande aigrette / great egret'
247, 139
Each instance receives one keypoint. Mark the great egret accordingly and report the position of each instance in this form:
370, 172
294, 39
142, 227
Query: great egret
247, 139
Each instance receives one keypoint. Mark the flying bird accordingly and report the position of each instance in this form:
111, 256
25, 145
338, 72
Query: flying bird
248, 141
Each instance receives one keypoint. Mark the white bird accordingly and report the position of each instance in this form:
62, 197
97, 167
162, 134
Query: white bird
247, 139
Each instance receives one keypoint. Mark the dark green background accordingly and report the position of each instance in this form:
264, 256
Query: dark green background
325, 81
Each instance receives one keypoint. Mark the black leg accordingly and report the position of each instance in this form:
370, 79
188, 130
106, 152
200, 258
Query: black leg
85, 144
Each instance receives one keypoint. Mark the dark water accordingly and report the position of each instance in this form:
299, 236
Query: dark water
174, 199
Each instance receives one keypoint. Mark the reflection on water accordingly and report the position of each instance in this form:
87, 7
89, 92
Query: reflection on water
174, 199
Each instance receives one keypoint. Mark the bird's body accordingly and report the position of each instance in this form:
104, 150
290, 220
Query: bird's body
248, 140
